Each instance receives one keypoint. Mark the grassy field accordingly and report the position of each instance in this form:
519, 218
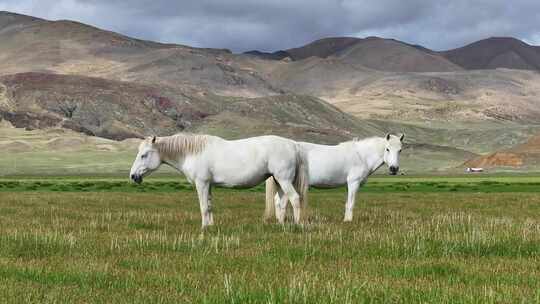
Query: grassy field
413, 240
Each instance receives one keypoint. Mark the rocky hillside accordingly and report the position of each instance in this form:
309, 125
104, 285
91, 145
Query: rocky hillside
120, 110
66, 47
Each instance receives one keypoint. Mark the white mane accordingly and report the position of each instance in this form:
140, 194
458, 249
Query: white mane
362, 140
181, 144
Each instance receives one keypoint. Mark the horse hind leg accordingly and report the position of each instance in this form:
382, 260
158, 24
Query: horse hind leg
289, 191
210, 207
280, 201
271, 205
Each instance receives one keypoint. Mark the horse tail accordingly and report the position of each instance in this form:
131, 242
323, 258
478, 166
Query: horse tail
271, 191
301, 182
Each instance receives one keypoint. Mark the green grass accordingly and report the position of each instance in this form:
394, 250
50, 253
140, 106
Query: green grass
376, 184
411, 241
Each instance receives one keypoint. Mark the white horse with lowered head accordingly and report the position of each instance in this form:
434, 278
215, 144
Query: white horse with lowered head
210, 160
349, 163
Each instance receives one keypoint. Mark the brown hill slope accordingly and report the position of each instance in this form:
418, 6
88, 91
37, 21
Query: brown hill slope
10, 21
375, 53
496, 52
66, 47
33, 43
394, 56
324, 77
118, 110
322, 48
94, 106
500, 95
523, 155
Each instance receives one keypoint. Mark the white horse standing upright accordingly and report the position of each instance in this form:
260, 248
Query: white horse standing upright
349, 163
209, 160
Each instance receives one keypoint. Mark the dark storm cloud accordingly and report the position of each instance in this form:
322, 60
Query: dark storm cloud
277, 24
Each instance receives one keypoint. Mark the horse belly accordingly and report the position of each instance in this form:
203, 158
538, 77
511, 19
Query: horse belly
240, 180
241, 177
327, 177
326, 172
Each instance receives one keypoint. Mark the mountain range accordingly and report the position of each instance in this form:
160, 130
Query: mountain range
453, 105
491, 53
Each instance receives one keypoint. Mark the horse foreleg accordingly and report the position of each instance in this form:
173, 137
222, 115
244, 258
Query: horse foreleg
352, 188
203, 191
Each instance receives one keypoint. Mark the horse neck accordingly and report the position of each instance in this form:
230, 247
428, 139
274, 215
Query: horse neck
177, 160
372, 152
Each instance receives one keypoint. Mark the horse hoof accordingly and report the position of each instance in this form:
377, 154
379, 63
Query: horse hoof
206, 226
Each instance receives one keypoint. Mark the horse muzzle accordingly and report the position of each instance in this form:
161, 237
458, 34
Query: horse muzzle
393, 170
136, 178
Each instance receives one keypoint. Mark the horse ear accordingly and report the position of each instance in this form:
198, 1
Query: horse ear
153, 139
387, 136
402, 137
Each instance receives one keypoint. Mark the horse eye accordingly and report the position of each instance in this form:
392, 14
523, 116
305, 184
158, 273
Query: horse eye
387, 150
143, 156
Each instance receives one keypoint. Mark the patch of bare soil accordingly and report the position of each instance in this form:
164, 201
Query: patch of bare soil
15, 146
497, 159
531, 146
106, 147
64, 143
517, 156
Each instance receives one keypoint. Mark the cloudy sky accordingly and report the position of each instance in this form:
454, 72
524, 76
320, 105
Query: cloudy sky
270, 25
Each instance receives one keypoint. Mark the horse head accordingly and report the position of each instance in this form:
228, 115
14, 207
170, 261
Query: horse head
147, 160
392, 150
